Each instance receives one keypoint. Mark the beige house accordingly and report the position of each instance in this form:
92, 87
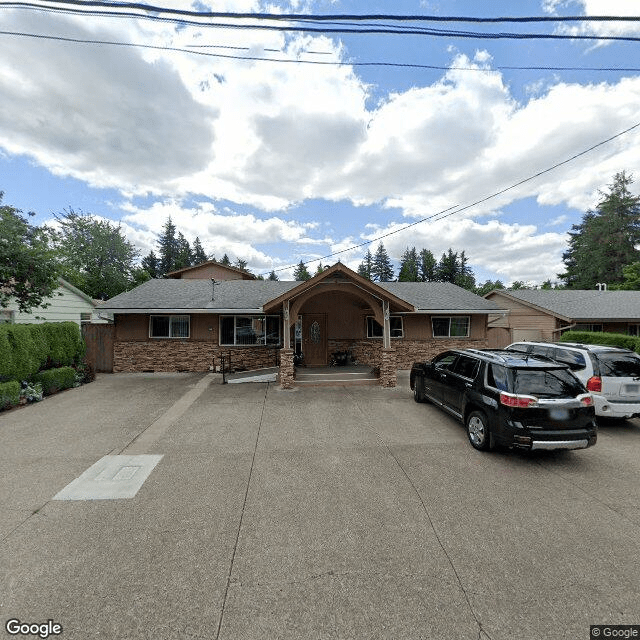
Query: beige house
211, 270
543, 314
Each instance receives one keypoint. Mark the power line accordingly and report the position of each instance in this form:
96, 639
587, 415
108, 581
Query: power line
196, 50
445, 213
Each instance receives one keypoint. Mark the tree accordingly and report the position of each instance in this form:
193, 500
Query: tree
448, 268
465, 279
427, 266
606, 239
366, 266
225, 260
631, 275
273, 275
301, 272
151, 265
382, 269
199, 255
28, 267
184, 256
241, 264
320, 269
409, 266
168, 248
95, 256
487, 286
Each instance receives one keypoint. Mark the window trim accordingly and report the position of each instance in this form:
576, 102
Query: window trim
449, 318
171, 316
252, 317
371, 337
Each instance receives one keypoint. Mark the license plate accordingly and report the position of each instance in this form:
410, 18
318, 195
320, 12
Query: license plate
631, 389
559, 414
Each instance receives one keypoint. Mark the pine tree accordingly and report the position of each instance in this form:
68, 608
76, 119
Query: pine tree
301, 272
184, 257
448, 268
320, 269
150, 264
427, 266
225, 260
240, 264
199, 255
168, 248
465, 279
382, 269
366, 266
408, 266
606, 239
273, 276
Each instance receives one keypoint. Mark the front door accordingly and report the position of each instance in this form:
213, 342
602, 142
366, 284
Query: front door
314, 339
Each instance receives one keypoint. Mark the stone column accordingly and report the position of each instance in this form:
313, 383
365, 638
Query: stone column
388, 370
287, 370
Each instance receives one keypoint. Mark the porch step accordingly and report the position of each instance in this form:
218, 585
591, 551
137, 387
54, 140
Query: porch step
335, 377
269, 374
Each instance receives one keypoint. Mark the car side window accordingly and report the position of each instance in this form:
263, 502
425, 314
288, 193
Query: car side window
519, 347
574, 359
466, 366
547, 352
445, 361
497, 377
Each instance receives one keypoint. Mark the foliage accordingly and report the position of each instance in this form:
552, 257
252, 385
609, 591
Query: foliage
167, 249
454, 268
320, 269
427, 266
151, 265
53, 380
199, 254
381, 269
9, 394
28, 266
273, 276
365, 268
409, 266
301, 272
600, 337
31, 392
487, 286
606, 239
184, 255
95, 256
631, 275
225, 260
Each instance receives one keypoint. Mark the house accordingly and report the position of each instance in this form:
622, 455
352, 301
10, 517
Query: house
211, 270
543, 314
67, 303
190, 324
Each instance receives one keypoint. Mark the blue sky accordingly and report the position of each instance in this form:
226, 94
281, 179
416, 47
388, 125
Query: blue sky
278, 162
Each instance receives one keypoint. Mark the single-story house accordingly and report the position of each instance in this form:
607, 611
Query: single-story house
67, 303
190, 324
543, 314
212, 269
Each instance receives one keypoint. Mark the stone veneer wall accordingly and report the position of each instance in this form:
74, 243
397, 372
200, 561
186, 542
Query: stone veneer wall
287, 369
407, 351
186, 355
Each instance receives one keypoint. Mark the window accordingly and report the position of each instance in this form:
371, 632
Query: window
634, 330
450, 327
250, 330
587, 327
466, 367
169, 326
374, 330
497, 377
85, 317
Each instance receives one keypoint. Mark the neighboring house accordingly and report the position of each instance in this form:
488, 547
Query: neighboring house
188, 325
543, 314
67, 303
211, 269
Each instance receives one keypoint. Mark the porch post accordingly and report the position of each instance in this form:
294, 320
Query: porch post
287, 326
388, 371
386, 330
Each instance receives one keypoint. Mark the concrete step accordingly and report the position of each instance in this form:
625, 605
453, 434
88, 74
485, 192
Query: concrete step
338, 377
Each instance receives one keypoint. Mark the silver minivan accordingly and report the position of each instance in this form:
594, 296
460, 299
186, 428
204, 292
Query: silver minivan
611, 374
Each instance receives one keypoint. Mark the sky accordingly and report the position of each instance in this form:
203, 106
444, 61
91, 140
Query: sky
275, 159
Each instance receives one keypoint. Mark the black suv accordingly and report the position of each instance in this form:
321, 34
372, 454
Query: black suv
509, 398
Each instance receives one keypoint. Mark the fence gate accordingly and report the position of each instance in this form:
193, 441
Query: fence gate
99, 341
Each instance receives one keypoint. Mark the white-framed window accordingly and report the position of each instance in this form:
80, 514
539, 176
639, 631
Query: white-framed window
85, 317
451, 326
169, 326
250, 330
374, 330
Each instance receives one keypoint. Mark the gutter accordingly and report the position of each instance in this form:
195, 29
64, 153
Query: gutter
183, 311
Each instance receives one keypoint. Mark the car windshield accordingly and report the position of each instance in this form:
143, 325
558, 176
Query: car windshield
619, 365
547, 383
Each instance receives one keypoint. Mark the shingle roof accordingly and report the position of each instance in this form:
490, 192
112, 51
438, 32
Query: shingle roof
177, 294
583, 304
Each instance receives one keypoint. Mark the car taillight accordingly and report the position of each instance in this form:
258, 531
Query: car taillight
586, 400
594, 383
516, 401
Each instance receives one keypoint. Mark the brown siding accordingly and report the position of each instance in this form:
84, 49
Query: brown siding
524, 318
216, 271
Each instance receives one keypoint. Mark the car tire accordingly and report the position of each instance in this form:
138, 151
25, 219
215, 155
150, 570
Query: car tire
478, 431
418, 389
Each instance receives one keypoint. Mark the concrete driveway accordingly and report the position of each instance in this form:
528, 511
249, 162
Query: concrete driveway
337, 513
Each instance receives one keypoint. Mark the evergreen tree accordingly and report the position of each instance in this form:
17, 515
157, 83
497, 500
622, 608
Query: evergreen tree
409, 267
225, 260
184, 257
366, 266
606, 239
273, 276
199, 255
301, 272
241, 264
320, 269
488, 286
150, 264
427, 266
382, 269
448, 268
168, 248
465, 278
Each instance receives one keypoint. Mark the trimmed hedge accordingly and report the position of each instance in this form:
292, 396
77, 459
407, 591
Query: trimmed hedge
53, 380
599, 337
9, 394
27, 348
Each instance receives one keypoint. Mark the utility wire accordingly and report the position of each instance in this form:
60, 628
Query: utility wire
198, 51
445, 213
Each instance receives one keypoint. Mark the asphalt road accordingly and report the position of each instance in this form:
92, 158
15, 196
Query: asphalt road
317, 513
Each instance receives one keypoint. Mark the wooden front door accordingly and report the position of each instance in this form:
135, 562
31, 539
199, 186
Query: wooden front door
314, 339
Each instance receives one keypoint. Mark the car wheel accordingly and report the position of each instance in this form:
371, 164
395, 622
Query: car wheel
418, 390
478, 431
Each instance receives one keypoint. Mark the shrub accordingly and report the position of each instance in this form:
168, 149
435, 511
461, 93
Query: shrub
6, 355
599, 337
31, 392
65, 344
53, 380
24, 353
9, 394
85, 373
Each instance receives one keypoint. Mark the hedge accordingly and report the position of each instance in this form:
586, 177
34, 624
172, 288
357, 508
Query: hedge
27, 348
600, 337
9, 394
53, 380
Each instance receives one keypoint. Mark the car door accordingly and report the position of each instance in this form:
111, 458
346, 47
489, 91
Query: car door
459, 381
436, 375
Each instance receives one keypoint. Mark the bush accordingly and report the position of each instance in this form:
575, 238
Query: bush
6, 356
599, 337
53, 380
85, 373
65, 344
25, 360
31, 392
9, 394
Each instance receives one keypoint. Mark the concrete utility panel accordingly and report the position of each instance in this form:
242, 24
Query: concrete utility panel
111, 478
